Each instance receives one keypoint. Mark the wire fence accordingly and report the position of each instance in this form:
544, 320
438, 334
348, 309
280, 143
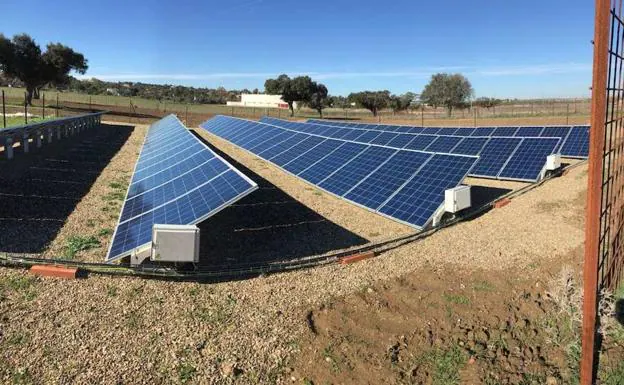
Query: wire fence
139, 110
604, 232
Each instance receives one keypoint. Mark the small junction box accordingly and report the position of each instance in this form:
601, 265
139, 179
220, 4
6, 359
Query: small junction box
457, 199
175, 243
553, 162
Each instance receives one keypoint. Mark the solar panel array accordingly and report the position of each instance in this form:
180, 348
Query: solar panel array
177, 180
402, 184
574, 139
502, 155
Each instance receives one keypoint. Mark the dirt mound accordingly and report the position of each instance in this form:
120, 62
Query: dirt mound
445, 326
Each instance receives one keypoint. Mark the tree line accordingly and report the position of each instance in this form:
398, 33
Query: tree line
23, 63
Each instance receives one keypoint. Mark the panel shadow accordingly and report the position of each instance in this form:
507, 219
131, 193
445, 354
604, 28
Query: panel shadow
267, 226
39, 190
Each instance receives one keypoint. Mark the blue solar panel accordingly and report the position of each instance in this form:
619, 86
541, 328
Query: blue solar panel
286, 156
556, 132
367, 136
353, 134
366, 174
461, 131
312, 156
400, 141
383, 138
420, 142
483, 131
529, 159
358, 168
183, 188
504, 131
470, 146
169, 173
494, 155
577, 143
191, 208
145, 201
280, 147
332, 162
443, 144
380, 185
418, 200
529, 131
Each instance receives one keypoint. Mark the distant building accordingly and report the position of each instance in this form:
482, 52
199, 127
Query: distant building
261, 101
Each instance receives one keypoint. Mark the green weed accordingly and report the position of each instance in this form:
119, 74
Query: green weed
457, 299
483, 286
186, 372
447, 364
105, 232
78, 243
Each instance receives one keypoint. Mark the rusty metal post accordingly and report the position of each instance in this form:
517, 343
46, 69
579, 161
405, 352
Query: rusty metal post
594, 192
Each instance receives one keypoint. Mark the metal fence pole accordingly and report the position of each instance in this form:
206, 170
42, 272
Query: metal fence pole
422, 115
25, 108
3, 111
568, 113
186, 116
594, 192
475, 116
43, 106
57, 105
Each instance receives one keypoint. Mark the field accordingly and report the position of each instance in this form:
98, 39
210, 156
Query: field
491, 300
559, 111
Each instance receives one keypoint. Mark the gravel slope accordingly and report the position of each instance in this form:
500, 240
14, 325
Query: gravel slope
115, 330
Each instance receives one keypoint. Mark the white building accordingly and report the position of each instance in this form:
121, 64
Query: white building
262, 101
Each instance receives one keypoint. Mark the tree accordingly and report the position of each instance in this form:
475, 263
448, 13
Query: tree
371, 100
21, 58
401, 102
299, 89
487, 102
448, 90
319, 98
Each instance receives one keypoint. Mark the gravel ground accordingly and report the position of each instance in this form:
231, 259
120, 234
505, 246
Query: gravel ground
116, 330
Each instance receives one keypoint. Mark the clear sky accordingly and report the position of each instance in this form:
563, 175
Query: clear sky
506, 48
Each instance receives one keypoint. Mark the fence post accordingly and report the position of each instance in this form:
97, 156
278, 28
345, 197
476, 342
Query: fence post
25, 108
57, 105
594, 190
3, 111
568, 114
43, 106
475, 116
422, 115
186, 116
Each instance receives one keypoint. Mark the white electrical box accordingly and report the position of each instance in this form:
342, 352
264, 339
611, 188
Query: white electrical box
457, 199
553, 162
175, 243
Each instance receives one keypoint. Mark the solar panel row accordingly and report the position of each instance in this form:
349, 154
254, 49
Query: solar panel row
402, 184
498, 158
574, 139
177, 180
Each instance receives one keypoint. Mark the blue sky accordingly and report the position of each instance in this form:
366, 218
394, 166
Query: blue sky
506, 48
